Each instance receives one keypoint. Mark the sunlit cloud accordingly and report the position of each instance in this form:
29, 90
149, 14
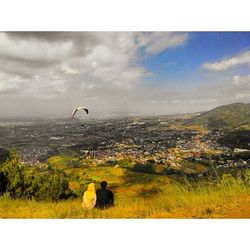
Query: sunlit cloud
129, 72
224, 64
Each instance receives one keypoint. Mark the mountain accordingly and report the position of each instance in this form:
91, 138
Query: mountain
226, 116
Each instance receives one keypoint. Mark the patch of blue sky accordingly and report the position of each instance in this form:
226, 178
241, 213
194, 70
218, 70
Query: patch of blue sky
183, 65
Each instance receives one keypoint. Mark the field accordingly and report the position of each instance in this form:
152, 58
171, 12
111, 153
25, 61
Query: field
174, 203
138, 195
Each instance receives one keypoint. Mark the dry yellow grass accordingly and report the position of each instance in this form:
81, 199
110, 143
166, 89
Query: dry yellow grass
142, 195
176, 201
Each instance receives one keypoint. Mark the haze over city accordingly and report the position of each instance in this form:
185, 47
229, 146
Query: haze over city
152, 73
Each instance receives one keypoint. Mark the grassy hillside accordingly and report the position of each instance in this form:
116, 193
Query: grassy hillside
137, 194
226, 116
168, 199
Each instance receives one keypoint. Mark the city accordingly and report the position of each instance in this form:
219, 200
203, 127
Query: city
162, 140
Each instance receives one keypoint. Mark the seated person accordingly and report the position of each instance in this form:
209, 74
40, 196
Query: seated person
105, 197
89, 197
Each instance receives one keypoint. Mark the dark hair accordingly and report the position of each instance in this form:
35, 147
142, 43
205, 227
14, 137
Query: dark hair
104, 184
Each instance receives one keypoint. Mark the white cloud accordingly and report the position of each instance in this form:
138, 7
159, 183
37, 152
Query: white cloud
241, 81
176, 101
28, 50
240, 59
236, 80
69, 70
9, 83
242, 95
62, 69
204, 100
157, 42
88, 85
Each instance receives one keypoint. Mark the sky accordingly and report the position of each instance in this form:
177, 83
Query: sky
122, 73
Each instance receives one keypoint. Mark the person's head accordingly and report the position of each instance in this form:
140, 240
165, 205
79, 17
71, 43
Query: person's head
104, 184
91, 187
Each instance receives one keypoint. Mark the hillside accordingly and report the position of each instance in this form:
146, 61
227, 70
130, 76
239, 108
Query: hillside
226, 116
137, 195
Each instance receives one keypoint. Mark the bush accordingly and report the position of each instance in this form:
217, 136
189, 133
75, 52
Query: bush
144, 168
74, 163
12, 172
20, 183
50, 187
125, 163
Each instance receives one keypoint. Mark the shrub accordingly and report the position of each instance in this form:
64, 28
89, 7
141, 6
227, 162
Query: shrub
12, 172
125, 163
20, 183
144, 168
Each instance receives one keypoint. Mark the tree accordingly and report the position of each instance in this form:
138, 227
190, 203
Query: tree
22, 183
12, 172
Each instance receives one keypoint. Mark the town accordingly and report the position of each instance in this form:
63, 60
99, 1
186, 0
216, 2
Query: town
159, 139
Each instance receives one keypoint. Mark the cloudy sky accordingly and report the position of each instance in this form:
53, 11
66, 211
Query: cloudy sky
46, 74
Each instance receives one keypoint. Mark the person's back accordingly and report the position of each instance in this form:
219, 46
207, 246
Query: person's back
89, 197
105, 197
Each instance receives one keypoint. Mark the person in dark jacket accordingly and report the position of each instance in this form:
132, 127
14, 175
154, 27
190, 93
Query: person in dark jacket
105, 197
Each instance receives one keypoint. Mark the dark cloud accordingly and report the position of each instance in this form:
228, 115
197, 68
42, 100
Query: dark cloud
44, 36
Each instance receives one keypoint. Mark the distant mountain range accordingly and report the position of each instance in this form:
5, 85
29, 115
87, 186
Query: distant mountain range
226, 116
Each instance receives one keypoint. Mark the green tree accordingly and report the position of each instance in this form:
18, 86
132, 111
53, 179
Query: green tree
13, 174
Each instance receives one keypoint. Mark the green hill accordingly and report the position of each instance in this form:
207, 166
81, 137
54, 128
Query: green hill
226, 116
